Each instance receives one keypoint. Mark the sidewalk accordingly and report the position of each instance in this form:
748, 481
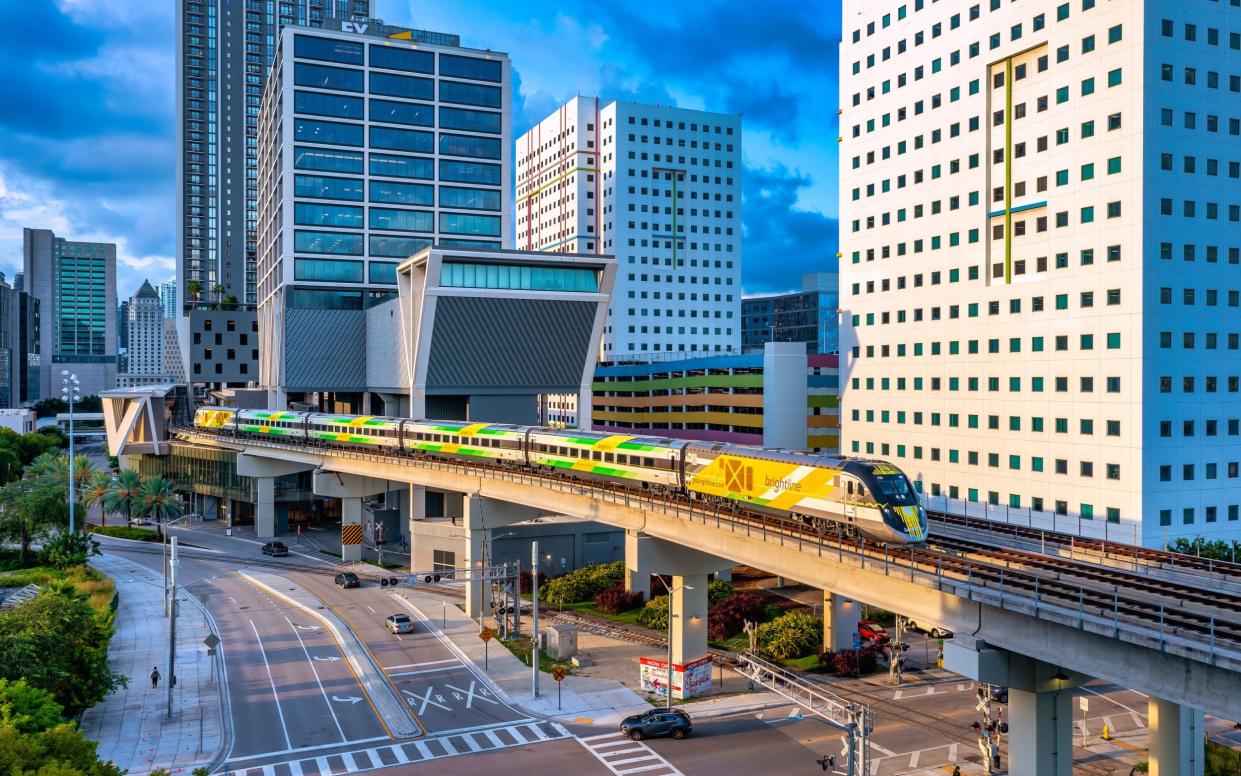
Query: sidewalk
583, 700
131, 724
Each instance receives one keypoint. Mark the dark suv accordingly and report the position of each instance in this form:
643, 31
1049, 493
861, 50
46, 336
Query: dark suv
348, 579
275, 549
657, 722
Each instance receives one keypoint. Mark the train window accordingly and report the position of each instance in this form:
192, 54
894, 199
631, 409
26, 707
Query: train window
648, 463
849, 487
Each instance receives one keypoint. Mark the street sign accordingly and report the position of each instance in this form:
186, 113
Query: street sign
558, 673
1084, 703
212, 641
485, 634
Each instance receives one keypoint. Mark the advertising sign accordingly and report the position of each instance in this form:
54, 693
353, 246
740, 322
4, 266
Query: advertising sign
688, 681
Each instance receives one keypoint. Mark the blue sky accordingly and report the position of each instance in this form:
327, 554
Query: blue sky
87, 134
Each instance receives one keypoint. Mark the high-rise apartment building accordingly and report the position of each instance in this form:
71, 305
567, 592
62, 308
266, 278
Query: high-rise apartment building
146, 332
75, 283
1040, 247
224, 53
810, 316
658, 187
373, 144
168, 298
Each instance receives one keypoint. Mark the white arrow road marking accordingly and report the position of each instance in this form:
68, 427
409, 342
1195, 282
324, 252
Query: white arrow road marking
307, 627
426, 699
352, 699
327, 659
470, 694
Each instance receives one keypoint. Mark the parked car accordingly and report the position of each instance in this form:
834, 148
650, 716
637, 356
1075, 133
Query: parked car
348, 579
657, 722
139, 521
995, 692
934, 631
275, 549
399, 623
873, 632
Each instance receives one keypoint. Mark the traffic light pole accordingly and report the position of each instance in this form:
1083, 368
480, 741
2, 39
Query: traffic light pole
534, 620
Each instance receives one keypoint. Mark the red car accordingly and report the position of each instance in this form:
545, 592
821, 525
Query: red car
873, 632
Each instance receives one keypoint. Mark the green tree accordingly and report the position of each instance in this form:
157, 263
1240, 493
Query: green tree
30, 508
57, 642
194, 289
122, 493
158, 501
58, 751
94, 491
50, 407
27, 708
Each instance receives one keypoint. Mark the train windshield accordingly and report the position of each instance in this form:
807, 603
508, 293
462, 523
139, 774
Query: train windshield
894, 489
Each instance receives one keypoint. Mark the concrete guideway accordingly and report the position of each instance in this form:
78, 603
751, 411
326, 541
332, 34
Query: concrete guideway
392, 711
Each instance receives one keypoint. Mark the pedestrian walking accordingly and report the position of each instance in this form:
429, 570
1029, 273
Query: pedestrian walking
154, 677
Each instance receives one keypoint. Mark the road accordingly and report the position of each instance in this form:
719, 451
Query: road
298, 709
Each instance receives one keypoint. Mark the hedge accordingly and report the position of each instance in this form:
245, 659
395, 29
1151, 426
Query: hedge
584, 583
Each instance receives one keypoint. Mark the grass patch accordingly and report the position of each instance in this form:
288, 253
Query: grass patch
520, 647
806, 663
126, 532
98, 588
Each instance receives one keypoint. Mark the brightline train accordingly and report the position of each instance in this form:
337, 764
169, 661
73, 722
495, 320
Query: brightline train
873, 498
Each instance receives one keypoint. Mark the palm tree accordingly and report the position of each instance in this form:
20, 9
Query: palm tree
217, 290
95, 491
194, 288
82, 471
122, 492
158, 501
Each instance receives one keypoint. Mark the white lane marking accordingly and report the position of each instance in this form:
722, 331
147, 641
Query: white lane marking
324, 768
1113, 700
280, 712
351, 766
1137, 721
414, 673
399, 754
493, 738
896, 696
423, 750
952, 753
593, 744
368, 606
424, 663
318, 681
470, 742
301, 749
885, 752
295, 767
448, 747
516, 734
913, 759
470, 695
425, 698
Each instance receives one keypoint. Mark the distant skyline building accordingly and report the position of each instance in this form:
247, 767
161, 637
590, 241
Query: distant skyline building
11, 349
168, 298
122, 334
1040, 207
372, 146
146, 332
224, 54
660, 188
809, 316
75, 283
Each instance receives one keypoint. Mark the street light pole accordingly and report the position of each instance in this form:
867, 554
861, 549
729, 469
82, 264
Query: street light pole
172, 628
69, 391
534, 621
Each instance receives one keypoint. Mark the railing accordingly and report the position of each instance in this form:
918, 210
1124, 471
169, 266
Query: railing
1126, 614
1038, 519
854, 720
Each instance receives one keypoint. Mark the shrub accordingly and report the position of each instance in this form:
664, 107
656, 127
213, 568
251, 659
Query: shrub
584, 583
718, 590
792, 635
846, 662
728, 617
617, 599
527, 582
69, 549
126, 532
655, 613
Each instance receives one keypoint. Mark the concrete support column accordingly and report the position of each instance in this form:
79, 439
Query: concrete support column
840, 619
1176, 739
481, 518
1040, 727
637, 574
351, 528
264, 507
689, 618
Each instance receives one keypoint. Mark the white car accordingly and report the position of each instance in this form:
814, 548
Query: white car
934, 631
399, 623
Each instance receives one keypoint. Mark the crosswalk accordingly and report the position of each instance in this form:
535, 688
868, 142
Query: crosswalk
622, 756
411, 752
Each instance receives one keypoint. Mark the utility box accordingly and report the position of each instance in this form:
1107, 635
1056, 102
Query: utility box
559, 641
